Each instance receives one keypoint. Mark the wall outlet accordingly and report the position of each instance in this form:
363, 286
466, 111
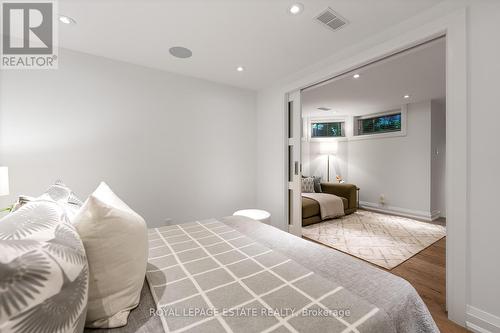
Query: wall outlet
382, 199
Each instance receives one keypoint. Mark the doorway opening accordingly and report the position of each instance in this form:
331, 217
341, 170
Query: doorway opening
375, 138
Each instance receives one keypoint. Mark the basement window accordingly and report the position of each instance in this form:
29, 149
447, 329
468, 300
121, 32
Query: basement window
386, 123
327, 129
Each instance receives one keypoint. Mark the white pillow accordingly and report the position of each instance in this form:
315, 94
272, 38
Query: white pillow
115, 240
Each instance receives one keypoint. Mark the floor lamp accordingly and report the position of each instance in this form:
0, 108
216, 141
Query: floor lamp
328, 149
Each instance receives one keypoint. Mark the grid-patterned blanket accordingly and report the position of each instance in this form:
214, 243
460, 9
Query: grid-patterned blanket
208, 277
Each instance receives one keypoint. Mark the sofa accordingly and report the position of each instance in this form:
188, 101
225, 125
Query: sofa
347, 192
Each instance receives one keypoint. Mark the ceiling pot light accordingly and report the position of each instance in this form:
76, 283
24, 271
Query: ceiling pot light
356, 76
406, 96
180, 52
296, 8
240, 68
66, 20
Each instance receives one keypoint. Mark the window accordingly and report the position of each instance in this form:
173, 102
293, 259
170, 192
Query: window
327, 129
380, 124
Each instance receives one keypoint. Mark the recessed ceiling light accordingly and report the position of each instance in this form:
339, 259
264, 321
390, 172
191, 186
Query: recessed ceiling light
406, 96
356, 76
66, 20
180, 52
296, 8
240, 68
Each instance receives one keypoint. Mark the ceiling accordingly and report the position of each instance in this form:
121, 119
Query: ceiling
260, 35
419, 73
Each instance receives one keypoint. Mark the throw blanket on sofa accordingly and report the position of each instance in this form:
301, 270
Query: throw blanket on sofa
330, 205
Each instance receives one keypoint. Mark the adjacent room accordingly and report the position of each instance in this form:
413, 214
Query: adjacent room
377, 137
373, 157
249, 166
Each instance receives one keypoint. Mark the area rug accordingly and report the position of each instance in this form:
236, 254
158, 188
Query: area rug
384, 240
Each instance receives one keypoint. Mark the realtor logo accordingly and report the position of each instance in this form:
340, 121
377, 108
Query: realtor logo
28, 35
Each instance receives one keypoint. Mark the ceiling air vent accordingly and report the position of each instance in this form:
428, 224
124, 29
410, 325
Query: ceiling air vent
331, 19
324, 109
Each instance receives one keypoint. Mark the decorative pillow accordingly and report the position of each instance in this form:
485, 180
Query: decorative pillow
21, 200
317, 184
308, 185
43, 271
115, 240
59, 193
63, 195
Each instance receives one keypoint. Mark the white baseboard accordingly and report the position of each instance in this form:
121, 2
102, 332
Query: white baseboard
415, 214
480, 321
435, 214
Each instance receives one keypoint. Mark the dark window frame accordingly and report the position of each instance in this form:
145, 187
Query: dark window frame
363, 126
328, 122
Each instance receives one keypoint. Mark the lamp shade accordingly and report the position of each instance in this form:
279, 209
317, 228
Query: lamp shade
4, 180
328, 148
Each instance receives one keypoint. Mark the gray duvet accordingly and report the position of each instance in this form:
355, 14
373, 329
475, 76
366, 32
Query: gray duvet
399, 308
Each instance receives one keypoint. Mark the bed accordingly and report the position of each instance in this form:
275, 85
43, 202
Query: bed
398, 306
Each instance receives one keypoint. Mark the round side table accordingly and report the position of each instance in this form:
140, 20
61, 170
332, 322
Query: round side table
256, 214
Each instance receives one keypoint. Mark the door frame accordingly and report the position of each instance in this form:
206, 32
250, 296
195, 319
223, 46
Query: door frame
294, 185
454, 27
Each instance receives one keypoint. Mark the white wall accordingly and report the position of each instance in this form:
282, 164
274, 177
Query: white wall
399, 168
170, 146
484, 159
438, 157
271, 155
316, 164
387, 166
483, 52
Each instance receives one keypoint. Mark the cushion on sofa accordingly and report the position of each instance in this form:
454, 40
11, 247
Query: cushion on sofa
115, 240
43, 271
308, 185
317, 184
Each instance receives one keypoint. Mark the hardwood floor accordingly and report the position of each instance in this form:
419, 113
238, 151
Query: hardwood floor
426, 271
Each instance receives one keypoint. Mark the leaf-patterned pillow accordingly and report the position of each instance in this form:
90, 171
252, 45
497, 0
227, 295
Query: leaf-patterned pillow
43, 271
59, 193
63, 195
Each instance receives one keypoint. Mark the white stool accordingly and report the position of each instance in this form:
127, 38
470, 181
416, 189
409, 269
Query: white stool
256, 214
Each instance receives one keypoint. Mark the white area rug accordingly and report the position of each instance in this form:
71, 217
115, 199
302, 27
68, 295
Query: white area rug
381, 239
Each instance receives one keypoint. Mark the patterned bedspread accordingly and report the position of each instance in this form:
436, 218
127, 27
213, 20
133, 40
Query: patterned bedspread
208, 277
